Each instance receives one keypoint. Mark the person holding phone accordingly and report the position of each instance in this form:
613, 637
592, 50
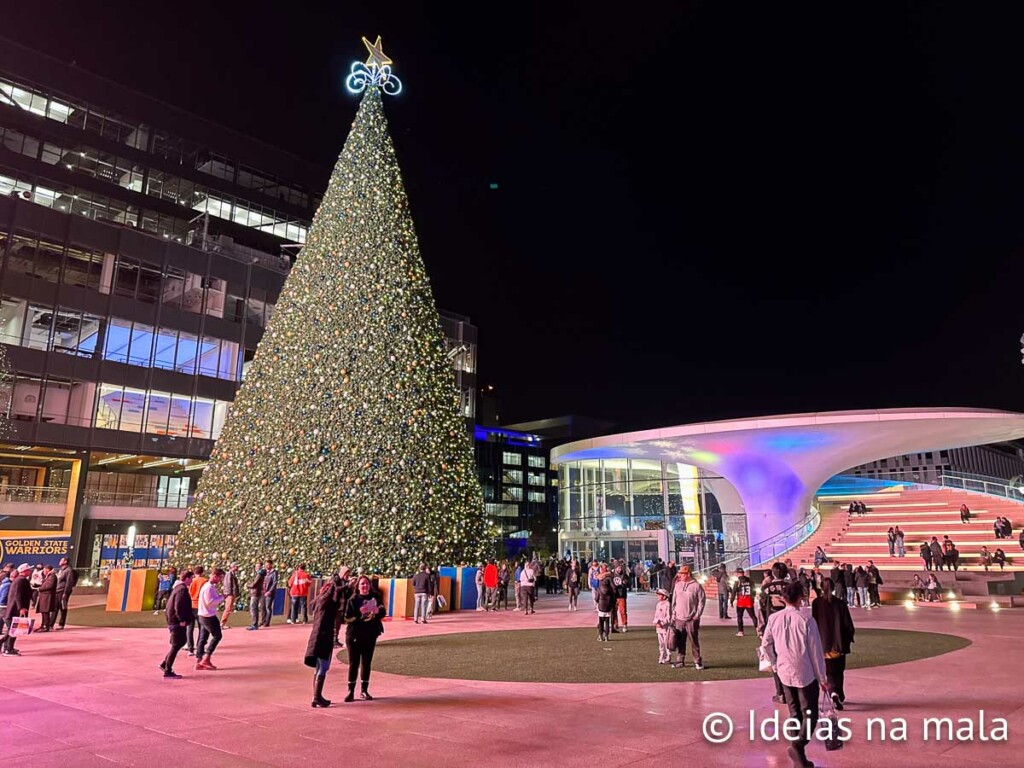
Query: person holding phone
364, 619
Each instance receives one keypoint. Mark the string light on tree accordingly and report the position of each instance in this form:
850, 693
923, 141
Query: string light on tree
346, 442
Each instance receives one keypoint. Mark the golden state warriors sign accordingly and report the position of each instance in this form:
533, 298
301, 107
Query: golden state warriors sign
32, 550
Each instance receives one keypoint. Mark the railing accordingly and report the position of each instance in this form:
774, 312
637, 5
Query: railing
772, 547
980, 484
964, 481
34, 494
147, 499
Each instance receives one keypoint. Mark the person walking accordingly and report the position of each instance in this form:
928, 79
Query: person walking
742, 597
688, 600
620, 581
605, 604
663, 625
298, 591
517, 587
434, 590
890, 538
792, 644
491, 586
179, 615
481, 590
901, 547
421, 594
67, 579
209, 625
269, 592
19, 600
593, 573
572, 585
835, 625
256, 598
231, 590
198, 581
528, 584
504, 576
772, 601
46, 598
323, 636
722, 582
363, 617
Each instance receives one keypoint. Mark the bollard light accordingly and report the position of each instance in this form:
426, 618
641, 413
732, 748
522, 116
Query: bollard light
994, 606
954, 606
908, 604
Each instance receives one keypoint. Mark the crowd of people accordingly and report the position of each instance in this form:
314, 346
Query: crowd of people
44, 589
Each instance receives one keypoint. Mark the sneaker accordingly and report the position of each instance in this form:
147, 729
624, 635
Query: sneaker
740, 633
417, 621
837, 702
678, 664
698, 667
289, 621
200, 665
172, 675
191, 653
208, 665
252, 629
779, 699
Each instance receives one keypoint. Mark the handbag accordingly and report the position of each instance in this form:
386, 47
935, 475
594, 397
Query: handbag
21, 626
828, 711
764, 664
673, 638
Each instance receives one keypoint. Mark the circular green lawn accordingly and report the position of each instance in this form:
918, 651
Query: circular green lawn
575, 655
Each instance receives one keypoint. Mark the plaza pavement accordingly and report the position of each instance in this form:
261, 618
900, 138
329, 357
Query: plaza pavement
94, 697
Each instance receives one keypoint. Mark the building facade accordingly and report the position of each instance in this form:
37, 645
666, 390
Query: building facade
142, 251
1001, 461
520, 488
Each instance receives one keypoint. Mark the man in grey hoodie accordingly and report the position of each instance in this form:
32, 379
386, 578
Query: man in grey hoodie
687, 607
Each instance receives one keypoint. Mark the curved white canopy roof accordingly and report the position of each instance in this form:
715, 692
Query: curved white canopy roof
777, 463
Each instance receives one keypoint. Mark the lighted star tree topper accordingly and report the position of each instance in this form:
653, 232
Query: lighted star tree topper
346, 443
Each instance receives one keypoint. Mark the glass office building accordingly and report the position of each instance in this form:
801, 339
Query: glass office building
642, 509
142, 251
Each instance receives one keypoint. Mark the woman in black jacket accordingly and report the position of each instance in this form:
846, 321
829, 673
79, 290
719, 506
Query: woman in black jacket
605, 603
329, 601
835, 625
363, 615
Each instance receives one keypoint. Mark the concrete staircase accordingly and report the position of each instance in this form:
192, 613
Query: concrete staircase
920, 513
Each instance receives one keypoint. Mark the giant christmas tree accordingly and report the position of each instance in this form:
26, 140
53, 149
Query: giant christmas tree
346, 442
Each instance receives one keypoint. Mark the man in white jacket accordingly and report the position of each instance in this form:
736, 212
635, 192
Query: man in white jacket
792, 643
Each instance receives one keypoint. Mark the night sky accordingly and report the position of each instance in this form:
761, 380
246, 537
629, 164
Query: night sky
704, 210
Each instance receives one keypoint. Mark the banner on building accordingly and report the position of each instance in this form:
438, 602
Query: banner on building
36, 549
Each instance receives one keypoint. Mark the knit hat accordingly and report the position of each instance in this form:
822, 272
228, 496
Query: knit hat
662, 592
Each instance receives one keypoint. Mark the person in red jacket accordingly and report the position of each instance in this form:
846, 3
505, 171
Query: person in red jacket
491, 585
298, 588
